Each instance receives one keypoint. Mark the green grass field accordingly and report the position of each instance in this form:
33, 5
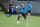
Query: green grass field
34, 21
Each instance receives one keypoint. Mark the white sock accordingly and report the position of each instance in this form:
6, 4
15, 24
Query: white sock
26, 21
18, 21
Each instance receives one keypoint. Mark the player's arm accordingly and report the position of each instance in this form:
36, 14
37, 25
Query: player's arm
12, 6
31, 6
18, 8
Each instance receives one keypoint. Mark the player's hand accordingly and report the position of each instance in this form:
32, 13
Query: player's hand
18, 8
31, 6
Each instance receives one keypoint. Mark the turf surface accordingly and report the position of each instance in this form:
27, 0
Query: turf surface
34, 21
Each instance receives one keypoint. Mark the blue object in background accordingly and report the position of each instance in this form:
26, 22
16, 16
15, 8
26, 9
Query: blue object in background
13, 12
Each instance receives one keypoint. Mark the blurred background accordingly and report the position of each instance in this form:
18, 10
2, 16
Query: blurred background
35, 5
11, 21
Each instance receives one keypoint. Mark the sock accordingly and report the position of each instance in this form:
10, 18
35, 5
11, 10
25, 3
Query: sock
18, 21
26, 20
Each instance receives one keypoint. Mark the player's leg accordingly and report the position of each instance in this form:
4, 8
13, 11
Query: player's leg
25, 19
29, 13
19, 17
11, 12
8, 14
24, 15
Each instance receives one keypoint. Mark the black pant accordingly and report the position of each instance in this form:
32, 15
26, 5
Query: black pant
29, 11
24, 15
10, 12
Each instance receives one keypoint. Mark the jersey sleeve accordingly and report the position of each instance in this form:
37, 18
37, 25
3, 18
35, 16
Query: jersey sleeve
30, 5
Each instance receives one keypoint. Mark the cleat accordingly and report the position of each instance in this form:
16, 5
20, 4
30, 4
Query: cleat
27, 24
18, 22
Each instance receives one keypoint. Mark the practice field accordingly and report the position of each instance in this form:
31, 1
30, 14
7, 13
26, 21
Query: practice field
34, 21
